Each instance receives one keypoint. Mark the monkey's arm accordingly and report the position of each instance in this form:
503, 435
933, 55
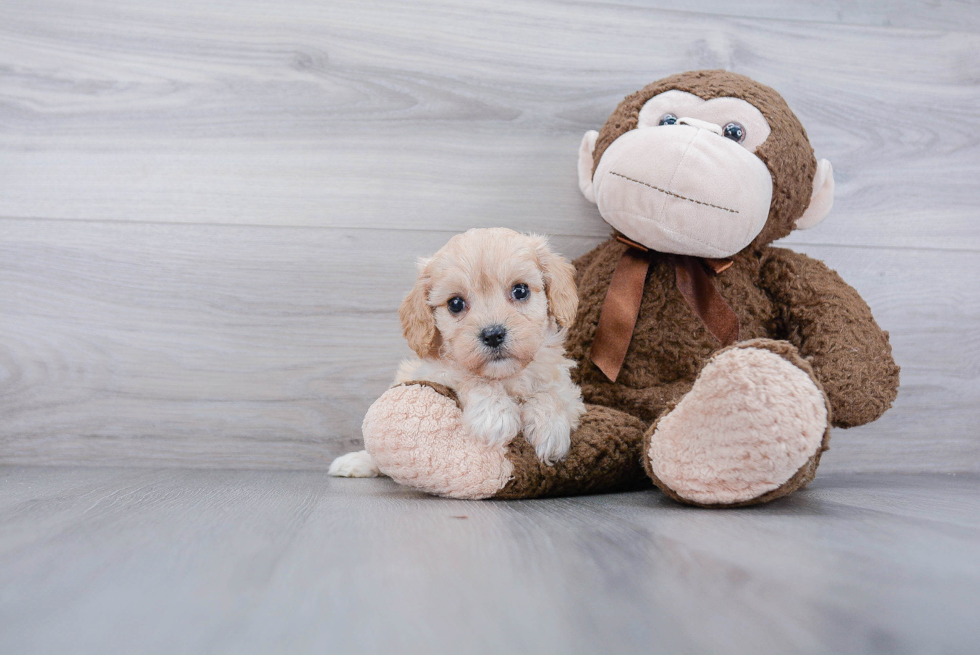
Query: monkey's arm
832, 326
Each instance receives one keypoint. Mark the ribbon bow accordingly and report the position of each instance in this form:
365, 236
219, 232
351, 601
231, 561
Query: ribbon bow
621, 307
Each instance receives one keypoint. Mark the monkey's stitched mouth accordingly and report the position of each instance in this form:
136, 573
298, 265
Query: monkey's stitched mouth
672, 194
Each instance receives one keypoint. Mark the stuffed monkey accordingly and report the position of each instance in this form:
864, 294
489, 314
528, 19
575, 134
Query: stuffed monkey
714, 364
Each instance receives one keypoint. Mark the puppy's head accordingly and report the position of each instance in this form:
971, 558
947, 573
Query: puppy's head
487, 300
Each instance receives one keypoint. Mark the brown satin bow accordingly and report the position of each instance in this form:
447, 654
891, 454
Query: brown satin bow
622, 304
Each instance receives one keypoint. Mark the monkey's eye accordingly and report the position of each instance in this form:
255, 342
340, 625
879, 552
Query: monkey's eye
520, 291
668, 119
734, 131
456, 305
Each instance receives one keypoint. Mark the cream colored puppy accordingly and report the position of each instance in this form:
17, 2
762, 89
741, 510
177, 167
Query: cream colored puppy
487, 317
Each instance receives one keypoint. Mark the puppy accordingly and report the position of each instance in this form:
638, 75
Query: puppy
487, 317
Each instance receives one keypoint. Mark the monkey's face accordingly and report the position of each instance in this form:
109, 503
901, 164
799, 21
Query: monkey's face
688, 178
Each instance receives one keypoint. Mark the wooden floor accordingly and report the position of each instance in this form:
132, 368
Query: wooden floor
99, 560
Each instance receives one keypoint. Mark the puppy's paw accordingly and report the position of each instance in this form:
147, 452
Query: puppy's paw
492, 417
548, 420
354, 465
549, 433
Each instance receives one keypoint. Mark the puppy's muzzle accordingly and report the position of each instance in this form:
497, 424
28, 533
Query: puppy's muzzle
493, 336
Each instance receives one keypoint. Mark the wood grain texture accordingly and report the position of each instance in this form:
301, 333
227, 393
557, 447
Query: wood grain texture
452, 114
956, 15
167, 561
209, 212
248, 346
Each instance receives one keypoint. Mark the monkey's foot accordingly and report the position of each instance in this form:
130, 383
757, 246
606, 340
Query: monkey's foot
416, 436
751, 429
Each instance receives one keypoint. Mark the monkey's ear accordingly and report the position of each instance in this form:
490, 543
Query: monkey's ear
822, 200
418, 321
559, 283
586, 164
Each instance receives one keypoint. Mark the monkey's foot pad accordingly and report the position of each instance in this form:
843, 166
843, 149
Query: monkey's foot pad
416, 436
751, 429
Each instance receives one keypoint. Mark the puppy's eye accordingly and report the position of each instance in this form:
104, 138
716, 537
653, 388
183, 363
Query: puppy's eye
456, 305
520, 291
668, 119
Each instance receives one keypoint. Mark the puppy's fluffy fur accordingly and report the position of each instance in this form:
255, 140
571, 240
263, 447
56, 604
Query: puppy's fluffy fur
524, 384
521, 384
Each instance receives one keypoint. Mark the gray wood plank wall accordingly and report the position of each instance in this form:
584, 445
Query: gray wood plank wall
209, 212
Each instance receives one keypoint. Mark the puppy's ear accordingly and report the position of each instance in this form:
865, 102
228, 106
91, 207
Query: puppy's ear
418, 321
559, 283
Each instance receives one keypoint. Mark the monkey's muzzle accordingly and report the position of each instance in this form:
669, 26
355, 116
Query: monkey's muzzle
683, 189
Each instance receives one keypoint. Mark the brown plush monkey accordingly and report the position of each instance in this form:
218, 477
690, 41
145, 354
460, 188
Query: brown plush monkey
714, 363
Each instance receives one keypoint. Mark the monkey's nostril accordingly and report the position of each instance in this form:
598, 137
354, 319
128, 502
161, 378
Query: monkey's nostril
493, 335
704, 125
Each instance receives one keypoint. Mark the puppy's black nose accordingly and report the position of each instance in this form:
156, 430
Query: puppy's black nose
493, 335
